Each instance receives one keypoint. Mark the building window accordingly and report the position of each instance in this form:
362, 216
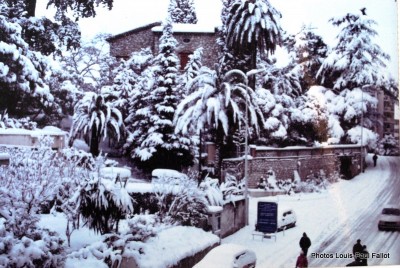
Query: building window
184, 59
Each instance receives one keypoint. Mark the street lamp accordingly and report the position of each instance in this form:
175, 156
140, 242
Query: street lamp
246, 161
246, 141
362, 127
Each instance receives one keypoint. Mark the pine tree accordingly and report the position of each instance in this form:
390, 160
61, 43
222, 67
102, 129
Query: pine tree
182, 11
354, 67
308, 50
158, 145
355, 61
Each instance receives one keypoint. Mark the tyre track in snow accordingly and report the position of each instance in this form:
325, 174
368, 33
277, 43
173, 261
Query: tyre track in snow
364, 226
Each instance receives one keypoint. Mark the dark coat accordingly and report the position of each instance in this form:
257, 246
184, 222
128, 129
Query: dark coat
305, 242
357, 248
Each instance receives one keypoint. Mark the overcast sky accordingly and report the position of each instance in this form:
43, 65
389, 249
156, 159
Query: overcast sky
129, 14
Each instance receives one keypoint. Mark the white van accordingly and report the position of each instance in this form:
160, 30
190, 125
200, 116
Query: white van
286, 218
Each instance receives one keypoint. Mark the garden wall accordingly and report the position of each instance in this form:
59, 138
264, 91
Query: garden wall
232, 217
306, 161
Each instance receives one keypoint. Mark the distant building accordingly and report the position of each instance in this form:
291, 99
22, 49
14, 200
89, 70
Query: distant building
189, 38
387, 116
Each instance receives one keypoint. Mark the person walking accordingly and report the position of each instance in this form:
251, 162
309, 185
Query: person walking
357, 248
301, 260
305, 243
375, 158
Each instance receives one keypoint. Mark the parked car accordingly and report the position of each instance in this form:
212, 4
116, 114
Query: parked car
228, 256
389, 218
286, 218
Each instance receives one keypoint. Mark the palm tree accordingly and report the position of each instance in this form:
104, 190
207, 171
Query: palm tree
94, 114
218, 102
253, 25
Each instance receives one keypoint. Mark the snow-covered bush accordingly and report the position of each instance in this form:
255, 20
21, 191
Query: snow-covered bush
28, 183
232, 186
114, 246
36, 248
212, 191
142, 227
24, 123
102, 203
98, 251
182, 203
364, 136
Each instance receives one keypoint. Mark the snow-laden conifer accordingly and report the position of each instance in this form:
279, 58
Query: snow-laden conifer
356, 60
182, 11
154, 143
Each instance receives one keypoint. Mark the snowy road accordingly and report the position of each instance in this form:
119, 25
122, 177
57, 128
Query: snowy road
334, 220
364, 226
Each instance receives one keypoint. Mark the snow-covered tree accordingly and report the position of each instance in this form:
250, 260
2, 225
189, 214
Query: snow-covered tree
102, 204
182, 11
253, 26
155, 143
309, 120
276, 109
356, 60
22, 72
355, 67
95, 116
218, 103
388, 145
193, 67
88, 67
307, 50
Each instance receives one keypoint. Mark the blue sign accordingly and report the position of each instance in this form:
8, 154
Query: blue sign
267, 217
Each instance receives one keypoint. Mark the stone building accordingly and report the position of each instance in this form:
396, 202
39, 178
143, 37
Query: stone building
189, 38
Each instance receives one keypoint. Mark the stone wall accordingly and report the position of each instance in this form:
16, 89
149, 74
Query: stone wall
306, 161
189, 42
122, 45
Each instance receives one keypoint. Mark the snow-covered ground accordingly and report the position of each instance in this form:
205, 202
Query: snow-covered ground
318, 214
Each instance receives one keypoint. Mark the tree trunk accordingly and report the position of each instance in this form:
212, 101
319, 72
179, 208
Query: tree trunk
94, 142
31, 8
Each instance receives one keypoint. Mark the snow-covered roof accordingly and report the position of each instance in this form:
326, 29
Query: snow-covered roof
135, 30
308, 148
53, 131
188, 28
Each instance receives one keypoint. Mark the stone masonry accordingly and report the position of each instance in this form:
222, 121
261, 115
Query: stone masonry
189, 38
341, 159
